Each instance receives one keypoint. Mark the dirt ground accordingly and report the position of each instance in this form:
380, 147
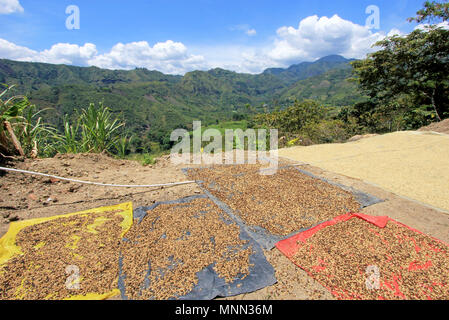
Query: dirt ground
27, 197
441, 127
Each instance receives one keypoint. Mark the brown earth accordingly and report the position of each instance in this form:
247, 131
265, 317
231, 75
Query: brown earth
27, 197
361, 137
441, 127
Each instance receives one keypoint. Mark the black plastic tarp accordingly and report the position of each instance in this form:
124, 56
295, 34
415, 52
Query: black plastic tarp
210, 285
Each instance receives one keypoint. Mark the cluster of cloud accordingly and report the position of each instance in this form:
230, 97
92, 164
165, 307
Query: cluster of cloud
10, 6
245, 28
315, 37
61, 53
444, 25
168, 57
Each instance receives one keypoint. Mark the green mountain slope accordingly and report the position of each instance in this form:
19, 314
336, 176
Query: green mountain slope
153, 104
306, 70
331, 88
35, 75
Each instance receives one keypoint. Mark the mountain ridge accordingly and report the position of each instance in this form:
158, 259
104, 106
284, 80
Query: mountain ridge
4, 68
153, 103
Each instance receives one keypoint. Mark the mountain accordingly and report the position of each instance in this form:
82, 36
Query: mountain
27, 74
306, 70
330, 88
153, 104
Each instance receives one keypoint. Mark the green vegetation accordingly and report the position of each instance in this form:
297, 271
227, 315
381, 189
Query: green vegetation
153, 104
402, 86
407, 81
228, 125
94, 130
145, 159
432, 11
307, 123
332, 88
27, 133
307, 70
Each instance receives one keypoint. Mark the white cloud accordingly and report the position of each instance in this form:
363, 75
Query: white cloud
12, 51
317, 37
251, 32
239, 58
168, 57
444, 25
245, 28
314, 38
66, 53
61, 53
10, 6
395, 32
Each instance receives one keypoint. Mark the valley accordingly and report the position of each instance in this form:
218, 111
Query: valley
153, 104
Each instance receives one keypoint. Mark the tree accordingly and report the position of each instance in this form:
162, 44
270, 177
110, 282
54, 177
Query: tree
294, 118
412, 69
432, 12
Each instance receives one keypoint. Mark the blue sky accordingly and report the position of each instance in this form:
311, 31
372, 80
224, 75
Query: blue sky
178, 36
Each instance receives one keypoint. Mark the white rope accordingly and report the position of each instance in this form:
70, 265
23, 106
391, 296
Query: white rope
96, 183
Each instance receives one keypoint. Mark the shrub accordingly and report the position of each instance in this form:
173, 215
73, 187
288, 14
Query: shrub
34, 136
94, 131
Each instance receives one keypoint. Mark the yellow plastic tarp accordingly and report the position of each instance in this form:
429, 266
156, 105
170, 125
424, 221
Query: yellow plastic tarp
9, 249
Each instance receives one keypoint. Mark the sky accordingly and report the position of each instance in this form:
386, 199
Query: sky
176, 37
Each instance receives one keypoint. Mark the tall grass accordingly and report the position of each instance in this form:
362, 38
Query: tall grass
69, 141
122, 146
11, 109
94, 130
99, 131
35, 134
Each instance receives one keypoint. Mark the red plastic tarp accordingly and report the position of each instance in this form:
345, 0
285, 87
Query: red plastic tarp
290, 247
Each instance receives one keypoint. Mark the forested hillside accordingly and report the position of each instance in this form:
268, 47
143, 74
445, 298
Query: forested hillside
152, 103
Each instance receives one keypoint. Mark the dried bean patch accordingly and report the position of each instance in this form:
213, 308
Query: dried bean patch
411, 265
282, 203
176, 241
88, 241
